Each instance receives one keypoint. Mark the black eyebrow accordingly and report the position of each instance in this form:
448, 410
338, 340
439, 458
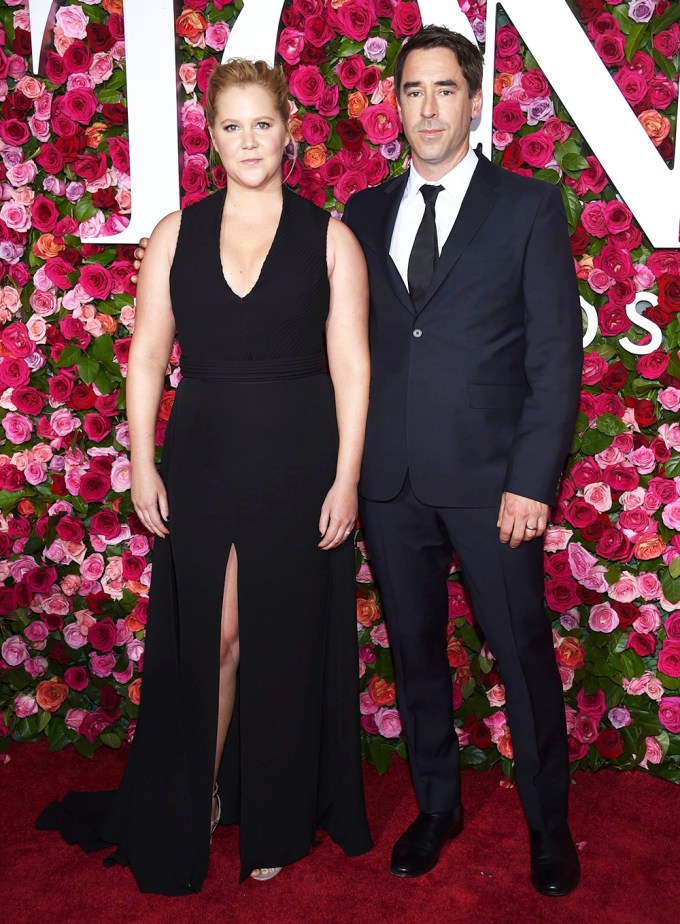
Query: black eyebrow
438, 83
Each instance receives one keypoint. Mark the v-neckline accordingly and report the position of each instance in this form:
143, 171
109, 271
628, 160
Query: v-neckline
220, 218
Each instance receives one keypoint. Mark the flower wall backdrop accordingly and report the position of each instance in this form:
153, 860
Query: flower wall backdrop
74, 569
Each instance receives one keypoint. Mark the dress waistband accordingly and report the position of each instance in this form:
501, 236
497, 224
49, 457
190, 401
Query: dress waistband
256, 370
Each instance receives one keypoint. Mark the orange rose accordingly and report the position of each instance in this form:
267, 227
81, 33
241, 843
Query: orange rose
367, 610
587, 264
113, 6
457, 655
132, 623
382, 692
135, 691
656, 125
136, 587
646, 549
316, 156
463, 674
166, 404
502, 82
356, 103
294, 128
190, 25
505, 744
47, 246
94, 134
50, 694
108, 323
25, 507
570, 654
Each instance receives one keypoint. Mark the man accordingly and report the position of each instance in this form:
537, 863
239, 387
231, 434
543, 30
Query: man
476, 360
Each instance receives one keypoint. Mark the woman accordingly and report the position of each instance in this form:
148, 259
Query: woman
250, 687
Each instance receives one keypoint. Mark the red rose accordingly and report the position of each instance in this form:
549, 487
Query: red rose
349, 70
44, 212
661, 452
70, 529
644, 412
60, 387
669, 291
105, 199
94, 723
114, 113
609, 744
562, 594
643, 644
105, 523
579, 512
613, 320
317, 31
350, 182
194, 179
668, 41
614, 545
119, 152
55, 69
369, 80
615, 261
133, 566
315, 129
73, 329
580, 241
203, 72
621, 477
63, 125
406, 19
508, 116
381, 123
97, 427
11, 478
350, 134
121, 349
28, 400
93, 487
14, 371
194, 141
109, 700
611, 47
79, 104
40, 580
90, 167
77, 57
70, 146
507, 41
512, 156
102, 635
615, 378
97, 601
77, 678
14, 132
99, 37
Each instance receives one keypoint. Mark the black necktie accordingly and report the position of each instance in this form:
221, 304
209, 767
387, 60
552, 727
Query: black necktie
425, 251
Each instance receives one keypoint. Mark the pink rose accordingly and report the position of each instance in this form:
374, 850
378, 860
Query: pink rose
25, 705
121, 474
367, 705
18, 428
73, 637
669, 398
669, 658
381, 123
496, 695
306, 84
594, 218
669, 713
585, 729
625, 590
599, 495
291, 43
556, 538
603, 618
80, 105
102, 665
73, 22
653, 752
670, 514
649, 585
649, 619
14, 650
216, 35
388, 722
74, 719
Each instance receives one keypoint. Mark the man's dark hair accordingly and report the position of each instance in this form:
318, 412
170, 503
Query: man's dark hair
469, 56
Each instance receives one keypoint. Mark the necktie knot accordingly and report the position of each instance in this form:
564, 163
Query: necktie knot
430, 193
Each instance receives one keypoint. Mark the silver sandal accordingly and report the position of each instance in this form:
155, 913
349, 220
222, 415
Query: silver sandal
215, 820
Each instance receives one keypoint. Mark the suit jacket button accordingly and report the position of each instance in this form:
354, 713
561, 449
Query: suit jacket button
417, 332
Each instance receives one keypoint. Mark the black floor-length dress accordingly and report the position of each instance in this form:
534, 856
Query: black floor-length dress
250, 453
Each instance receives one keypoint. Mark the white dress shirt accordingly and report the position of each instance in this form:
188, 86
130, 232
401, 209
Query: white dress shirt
412, 209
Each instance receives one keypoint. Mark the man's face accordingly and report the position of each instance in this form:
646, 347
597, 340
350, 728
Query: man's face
437, 110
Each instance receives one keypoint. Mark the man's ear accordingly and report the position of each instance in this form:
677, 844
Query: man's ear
476, 104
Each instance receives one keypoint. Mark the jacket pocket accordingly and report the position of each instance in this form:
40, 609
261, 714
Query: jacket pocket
512, 396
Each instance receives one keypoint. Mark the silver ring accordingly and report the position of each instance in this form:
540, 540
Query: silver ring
533, 528
347, 532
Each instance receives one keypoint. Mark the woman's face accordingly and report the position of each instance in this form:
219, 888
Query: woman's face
249, 135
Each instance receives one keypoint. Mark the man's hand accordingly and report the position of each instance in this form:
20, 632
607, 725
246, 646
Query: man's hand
521, 519
139, 256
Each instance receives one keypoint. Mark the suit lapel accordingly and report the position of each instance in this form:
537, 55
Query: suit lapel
394, 196
476, 205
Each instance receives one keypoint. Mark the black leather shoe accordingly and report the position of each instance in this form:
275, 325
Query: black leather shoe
555, 867
417, 850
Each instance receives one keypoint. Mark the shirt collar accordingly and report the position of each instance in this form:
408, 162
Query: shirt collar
454, 182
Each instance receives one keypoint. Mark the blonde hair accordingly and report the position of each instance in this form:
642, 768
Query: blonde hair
241, 72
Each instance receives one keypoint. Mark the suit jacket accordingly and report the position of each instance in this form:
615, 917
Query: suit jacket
474, 390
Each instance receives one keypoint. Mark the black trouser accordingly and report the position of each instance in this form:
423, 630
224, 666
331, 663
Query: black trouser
410, 545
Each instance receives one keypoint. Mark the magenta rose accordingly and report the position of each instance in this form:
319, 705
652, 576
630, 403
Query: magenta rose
669, 713
632, 84
40, 580
562, 594
318, 31
669, 658
611, 47
615, 261
356, 19
315, 129
406, 19
79, 104
653, 365
105, 523
28, 400
133, 566
44, 213
613, 320
77, 678
328, 103
381, 123
507, 41
306, 84
508, 116
621, 477
349, 70
96, 280
14, 371
580, 513
614, 545
102, 635
672, 624
70, 529
642, 644
16, 340
93, 487
97, 427
668, 41
350, 182
119, 151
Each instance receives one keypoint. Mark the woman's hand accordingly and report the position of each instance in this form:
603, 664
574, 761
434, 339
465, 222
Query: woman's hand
338, 515
150, 499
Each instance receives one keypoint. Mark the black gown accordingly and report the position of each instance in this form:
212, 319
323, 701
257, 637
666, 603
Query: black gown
249, 455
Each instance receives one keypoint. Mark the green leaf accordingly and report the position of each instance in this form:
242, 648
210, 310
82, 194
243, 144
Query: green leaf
88, 369
673, 466
103, 259
572, 205
674, 567
625, 22
83, 208
574, 163
671, 586
610, 424
635, 38
102, 347
662, 62
104, 383
379, 753
548, 176
70, 355
347, 47
57, 736
593, 441
111, 739
672, 14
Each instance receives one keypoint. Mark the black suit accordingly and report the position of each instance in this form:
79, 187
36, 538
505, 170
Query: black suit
473, 392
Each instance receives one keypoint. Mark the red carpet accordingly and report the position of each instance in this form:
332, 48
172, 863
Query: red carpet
627, 824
